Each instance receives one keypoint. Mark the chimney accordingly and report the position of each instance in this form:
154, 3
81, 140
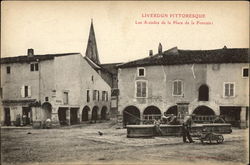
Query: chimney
160, 49
30, 52
150, 53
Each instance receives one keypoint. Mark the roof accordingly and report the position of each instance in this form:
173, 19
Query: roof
111, 67
96, 66
176, 56
25, 58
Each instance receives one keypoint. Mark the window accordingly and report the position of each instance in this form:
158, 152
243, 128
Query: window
26, 91
203, 93
245, 72
94, 94
46, 98
98, 95
34, 67
103, 95
177, 88
107, 96
8, 69
65, 97
88, 98
141, 89
229, 89
141, 72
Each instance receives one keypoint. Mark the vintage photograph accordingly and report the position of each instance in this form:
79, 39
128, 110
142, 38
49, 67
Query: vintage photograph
126, 82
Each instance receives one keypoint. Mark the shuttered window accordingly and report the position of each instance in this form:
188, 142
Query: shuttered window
94, 94
177, 88
88, 97
26, 91
65, 98
34, 67
141, 89
229, 89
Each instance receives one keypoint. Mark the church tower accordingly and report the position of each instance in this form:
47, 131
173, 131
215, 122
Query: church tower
91, 51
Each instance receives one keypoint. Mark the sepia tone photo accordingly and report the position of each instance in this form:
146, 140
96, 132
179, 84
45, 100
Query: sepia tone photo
144, 82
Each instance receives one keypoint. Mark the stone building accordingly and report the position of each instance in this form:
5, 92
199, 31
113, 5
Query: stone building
207, 83
62, 87
107, 71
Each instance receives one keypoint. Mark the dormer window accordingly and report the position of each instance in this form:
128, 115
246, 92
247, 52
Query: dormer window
34, 67
141, 72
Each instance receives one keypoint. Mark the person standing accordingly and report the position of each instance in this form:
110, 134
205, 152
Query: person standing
157, 123
186, 127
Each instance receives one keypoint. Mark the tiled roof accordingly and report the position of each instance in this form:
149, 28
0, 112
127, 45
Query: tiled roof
176, 56
22, 59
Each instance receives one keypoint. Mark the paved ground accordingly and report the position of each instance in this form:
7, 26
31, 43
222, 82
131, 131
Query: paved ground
82, 144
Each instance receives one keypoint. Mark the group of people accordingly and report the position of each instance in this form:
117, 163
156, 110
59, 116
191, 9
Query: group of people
172, 119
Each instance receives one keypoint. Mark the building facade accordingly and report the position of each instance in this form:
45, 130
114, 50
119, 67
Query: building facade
107, 71
61, 87
207, 83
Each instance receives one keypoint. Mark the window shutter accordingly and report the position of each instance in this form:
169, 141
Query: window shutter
138, 93
226, 89
175, 88
144, 89
29, 91
231, 89
179, 91
22, 91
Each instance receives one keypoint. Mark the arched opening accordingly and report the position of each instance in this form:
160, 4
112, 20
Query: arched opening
85, 113
151, 113
203, 110
62, 115
171, 110
203, 93
131, 115
203, 114
104, 113
47, 110
94, 116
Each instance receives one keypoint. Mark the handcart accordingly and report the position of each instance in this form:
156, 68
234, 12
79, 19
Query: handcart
209, 137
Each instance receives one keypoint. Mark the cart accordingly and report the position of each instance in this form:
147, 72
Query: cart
210, 137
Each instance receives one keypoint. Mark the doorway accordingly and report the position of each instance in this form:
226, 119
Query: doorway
7, 116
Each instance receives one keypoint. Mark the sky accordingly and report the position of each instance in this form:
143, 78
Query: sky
63, 27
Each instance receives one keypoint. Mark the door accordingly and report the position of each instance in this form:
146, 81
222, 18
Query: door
7, 116
27, 115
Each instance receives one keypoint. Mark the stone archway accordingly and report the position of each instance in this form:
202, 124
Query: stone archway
94, 115
151, 113
47, 110
85, 113
203, 110
172, 110
104, 113
131, 115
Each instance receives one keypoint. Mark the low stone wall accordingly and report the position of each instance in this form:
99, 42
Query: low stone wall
176, 130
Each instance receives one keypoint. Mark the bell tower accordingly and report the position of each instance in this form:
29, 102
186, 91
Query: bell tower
91, 51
